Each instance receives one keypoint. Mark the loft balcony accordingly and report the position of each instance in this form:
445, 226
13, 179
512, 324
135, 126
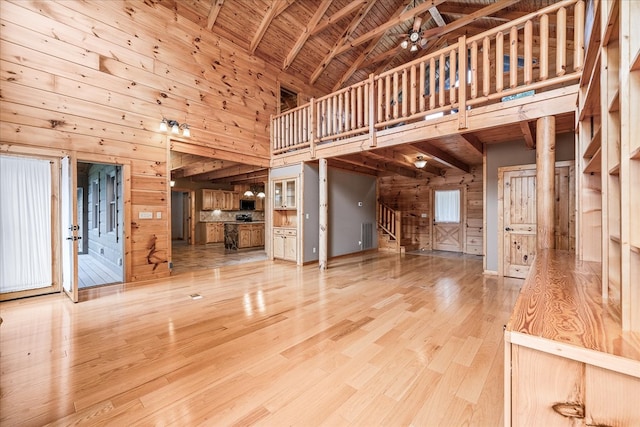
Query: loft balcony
508, 76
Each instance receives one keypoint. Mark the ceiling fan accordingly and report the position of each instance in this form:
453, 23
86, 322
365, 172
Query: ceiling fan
414, 39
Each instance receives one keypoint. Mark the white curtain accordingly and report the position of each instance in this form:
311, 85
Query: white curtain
447, 205
25, 224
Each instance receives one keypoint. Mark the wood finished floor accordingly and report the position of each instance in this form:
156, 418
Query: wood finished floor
378, 339
91, 272
187, 257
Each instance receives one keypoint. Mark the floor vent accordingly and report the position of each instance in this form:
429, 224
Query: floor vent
195, 296
366, 231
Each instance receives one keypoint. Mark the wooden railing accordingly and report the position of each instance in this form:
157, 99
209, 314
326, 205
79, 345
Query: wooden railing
448, 81
390, 221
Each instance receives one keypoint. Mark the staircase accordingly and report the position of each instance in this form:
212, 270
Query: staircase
389, 229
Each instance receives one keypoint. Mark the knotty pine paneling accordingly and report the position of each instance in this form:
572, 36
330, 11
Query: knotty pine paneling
413, 197
96, 78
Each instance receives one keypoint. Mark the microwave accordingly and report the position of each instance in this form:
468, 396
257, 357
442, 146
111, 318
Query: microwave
247, 205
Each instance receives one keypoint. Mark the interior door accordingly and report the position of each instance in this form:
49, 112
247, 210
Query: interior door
69, 232
519, 222
519, 217
447, 220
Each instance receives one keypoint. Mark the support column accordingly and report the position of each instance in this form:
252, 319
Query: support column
545, 181
323, 214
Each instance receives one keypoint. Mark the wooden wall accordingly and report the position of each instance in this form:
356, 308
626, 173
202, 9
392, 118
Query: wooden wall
94, 79
414, 197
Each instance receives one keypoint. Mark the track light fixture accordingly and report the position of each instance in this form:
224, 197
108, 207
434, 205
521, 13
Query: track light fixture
165, 124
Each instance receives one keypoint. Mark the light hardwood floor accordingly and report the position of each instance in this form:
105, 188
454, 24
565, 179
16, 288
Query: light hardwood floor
378, 339
187, 257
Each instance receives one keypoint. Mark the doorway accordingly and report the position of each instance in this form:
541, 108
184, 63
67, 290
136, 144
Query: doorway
100, 224
448, 219
517, 215
182, 216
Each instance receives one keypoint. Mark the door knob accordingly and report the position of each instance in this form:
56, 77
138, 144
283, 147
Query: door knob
508, 229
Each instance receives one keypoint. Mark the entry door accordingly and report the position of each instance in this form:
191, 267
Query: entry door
447, 219
519, 216
69, 232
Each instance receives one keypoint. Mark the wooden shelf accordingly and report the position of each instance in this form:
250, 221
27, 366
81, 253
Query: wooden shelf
635, 154
592, 49
595, 164
635, 249
615, 170
614, 105
612, 32
614, 238
591, 105
594, 144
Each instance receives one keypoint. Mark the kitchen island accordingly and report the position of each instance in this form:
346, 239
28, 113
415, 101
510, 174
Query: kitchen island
240, 234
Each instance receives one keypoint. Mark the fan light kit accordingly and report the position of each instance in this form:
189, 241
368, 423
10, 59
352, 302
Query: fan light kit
165, 124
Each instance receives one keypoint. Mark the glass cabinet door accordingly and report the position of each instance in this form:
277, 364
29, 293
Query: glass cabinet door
278, 194
290, 189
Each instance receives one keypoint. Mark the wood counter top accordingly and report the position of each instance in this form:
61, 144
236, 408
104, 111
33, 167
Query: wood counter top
561, 301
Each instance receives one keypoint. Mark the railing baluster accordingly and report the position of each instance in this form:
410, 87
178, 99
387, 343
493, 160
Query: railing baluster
442, 80
528, 52
452, 77
544, 47
405, 94
474, 70
486, 66
355, 112
380, 101
366, 104
499, 62
463, 56
513, 57
561, 42
578, 36
358, 107
387, 96
340, 113
432, 83
396, 107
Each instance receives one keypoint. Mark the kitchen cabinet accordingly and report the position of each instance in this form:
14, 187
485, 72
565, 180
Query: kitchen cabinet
210, 232
220, 199
284, 194
285, 243
250, 235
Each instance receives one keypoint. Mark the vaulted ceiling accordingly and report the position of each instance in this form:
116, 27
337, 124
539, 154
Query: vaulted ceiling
331, 44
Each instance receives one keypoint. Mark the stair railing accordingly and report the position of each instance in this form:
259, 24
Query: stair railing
390, 221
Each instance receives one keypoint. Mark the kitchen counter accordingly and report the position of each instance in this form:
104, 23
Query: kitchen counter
240, 234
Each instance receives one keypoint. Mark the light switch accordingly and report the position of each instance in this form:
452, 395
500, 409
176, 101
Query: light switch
158, 215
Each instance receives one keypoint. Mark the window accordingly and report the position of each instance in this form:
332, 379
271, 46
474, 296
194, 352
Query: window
112, 212
95, 204
447, 206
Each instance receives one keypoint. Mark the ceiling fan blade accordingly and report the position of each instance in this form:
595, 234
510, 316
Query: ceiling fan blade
416, 23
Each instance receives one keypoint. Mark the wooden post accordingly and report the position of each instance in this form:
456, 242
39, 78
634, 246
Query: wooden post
312, 127
545, 181
323, 214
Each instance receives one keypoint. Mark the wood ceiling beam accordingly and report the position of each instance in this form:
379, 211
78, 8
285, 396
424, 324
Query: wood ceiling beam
459, 23
342, 40
529, 138
363, 55
181, 160
339, 15
322, 8
405, 16
340, 163
441, 156
232, 171
198, 168
216, 5
274, 9
473, 141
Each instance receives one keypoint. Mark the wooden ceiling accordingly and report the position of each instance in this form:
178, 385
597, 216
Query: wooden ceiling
331, 44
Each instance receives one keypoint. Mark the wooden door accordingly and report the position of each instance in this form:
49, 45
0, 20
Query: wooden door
518, 195
69, 219
448, 219
519, 225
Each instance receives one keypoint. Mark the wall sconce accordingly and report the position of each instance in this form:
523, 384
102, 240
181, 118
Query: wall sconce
172, 183
165, 124
420, 162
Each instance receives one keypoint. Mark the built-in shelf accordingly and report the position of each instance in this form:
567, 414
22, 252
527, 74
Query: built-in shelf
594, 144
635, 154
593, 49
635, 64
614, 105
611, 33
615, 170
595, 164
614, 238
591, 106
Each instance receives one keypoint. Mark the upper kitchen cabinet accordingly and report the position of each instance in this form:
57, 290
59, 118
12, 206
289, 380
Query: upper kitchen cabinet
219, 199
284, 194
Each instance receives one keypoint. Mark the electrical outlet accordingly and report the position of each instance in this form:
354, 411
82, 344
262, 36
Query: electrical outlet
359, 242
424, 215
314, 250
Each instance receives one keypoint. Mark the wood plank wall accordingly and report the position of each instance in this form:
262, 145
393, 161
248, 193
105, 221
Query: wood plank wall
413, 197
95, 79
